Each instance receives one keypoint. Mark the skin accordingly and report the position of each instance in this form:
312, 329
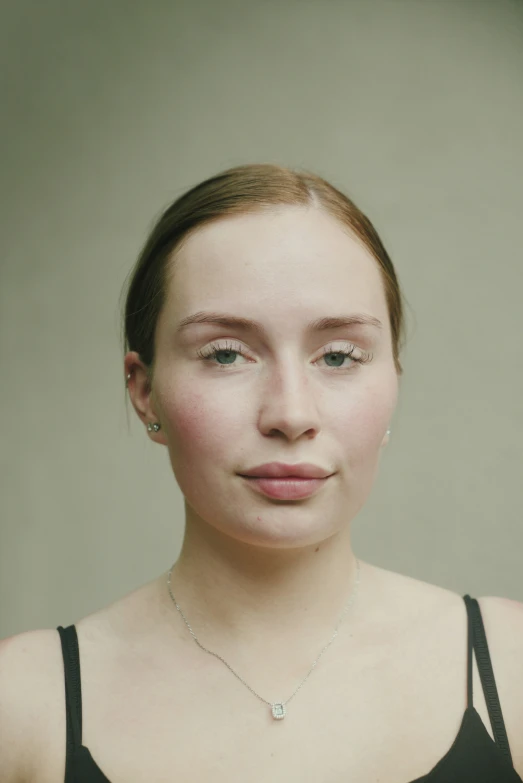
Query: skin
270, 577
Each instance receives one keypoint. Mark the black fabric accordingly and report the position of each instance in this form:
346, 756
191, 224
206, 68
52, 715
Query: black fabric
473, 757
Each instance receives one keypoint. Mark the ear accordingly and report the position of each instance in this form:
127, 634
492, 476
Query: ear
141, 395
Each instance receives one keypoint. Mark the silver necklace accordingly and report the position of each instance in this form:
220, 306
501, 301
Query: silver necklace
278, 708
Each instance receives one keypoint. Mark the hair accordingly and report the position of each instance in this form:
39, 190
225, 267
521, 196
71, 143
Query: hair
236, 191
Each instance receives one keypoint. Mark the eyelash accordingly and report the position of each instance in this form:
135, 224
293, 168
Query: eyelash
214, 349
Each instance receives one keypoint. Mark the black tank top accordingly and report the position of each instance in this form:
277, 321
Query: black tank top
472, 758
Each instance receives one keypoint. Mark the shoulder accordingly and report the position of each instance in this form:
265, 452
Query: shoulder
28, 667
503, 610
26, 661
503, 621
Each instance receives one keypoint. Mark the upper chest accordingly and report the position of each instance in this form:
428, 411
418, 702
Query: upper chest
389, 715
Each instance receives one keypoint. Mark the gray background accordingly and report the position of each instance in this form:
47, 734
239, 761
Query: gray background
110, 111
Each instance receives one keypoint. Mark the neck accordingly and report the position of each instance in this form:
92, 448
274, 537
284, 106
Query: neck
271, 603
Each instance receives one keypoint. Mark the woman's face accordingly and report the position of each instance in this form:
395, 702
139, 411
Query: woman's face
273, 395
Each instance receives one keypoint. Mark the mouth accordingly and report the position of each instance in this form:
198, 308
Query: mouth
281, 478
307, 470
286, 487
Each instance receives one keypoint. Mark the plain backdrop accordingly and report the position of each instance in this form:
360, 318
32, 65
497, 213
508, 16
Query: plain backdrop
111, 110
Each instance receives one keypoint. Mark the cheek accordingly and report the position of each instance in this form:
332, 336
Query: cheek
187, 421
201, 430
363, 423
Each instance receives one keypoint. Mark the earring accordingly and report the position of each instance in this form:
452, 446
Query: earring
151, 427
388, 432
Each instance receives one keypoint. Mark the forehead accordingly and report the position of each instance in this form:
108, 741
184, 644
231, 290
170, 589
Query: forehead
286, 257
283, 233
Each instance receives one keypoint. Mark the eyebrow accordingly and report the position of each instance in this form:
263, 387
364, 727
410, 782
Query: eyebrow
249, 325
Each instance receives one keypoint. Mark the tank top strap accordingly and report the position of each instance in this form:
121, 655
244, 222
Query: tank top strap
478, 639
73, 694
468, 604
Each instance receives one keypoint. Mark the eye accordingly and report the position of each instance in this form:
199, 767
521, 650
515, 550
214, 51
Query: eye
363, 357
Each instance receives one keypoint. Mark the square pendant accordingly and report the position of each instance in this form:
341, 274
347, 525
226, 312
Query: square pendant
278, 710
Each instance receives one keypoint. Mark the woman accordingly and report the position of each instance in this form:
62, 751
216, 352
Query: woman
263, 329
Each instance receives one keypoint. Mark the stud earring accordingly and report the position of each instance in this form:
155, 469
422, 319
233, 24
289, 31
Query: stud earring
151, 427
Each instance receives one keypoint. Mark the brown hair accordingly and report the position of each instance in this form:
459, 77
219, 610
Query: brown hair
240, 190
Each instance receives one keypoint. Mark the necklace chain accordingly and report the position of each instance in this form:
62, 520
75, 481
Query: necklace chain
278, 708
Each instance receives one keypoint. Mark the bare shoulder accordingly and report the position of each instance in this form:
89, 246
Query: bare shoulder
503, 621
504, 618
27, 660
32, 687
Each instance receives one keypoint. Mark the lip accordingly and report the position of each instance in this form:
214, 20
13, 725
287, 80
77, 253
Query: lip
302, 470
286, 488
